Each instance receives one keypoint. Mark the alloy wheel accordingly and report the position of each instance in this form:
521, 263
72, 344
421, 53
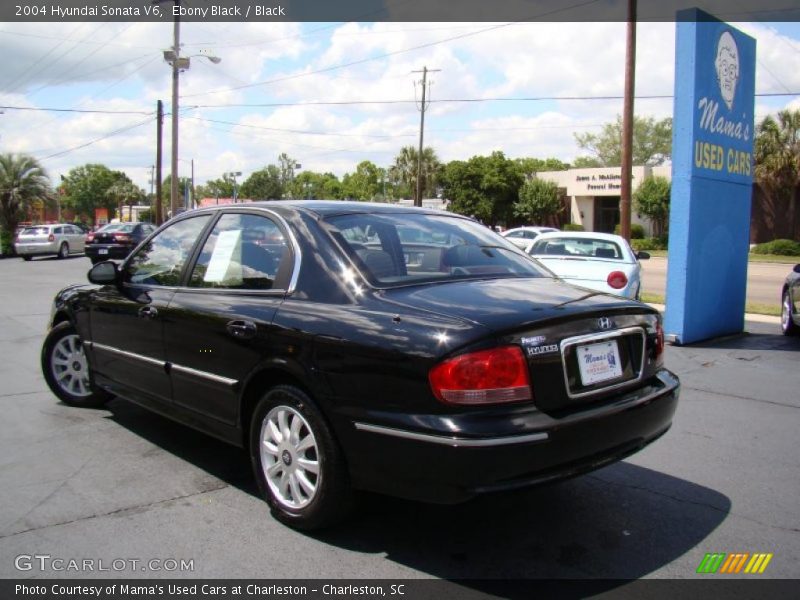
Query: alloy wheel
289, 457
69, 366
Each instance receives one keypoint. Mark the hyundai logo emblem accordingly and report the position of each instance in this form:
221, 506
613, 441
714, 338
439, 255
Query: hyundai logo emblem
604, 323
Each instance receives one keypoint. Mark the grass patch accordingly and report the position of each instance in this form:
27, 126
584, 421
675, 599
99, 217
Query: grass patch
775, 258
754, 308
762, 258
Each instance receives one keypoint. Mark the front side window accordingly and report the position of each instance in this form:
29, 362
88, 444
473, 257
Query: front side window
161, 260
402, 248
243, 252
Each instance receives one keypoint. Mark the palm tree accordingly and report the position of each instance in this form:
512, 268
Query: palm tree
777, 158
22, 182
123, 192
404, 170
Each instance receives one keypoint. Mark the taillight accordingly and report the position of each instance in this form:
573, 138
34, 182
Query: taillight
617, 280
484, 377
659, 343
122, 237
51, 238
89, 237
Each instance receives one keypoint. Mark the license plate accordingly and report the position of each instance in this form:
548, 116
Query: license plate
599, 362
103, 251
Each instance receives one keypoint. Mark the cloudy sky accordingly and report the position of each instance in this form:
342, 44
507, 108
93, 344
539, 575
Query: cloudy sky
333, 94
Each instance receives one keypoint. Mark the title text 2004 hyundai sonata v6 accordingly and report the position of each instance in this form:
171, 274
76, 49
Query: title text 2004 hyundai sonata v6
346, 356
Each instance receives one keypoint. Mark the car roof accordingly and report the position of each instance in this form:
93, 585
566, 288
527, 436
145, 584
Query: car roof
609, 237
538, 228
329, 208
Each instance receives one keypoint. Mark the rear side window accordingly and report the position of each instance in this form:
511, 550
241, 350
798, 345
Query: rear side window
243, 252
162, 259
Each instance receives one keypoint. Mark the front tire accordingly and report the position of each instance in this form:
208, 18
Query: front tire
788, 326
27, 258
63, 250
298, 464
66, 369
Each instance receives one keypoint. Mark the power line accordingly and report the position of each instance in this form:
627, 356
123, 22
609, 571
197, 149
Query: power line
455, 100
299, 131
78, 110
100, 139
385, 55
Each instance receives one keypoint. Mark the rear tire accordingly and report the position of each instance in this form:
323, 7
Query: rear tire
27, 258
298, 465
788, 326
63, 250
66, 368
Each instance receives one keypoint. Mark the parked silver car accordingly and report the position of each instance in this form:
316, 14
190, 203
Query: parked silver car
60, 239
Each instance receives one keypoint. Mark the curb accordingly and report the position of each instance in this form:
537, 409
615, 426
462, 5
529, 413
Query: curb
747, 317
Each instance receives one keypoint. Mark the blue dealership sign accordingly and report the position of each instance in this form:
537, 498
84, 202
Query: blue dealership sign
712, 173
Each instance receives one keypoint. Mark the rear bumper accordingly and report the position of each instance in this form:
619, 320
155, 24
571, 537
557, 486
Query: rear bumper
36, 249
103, 251
433, 466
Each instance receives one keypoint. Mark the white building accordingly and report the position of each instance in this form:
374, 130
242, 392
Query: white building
594, 194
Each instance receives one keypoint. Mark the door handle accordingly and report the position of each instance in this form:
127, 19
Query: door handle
242, 330
148, 312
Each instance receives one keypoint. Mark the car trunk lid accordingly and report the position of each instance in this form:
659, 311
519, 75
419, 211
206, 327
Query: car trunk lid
557, 325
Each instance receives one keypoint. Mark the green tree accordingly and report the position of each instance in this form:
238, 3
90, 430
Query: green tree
86, 188
403, 172
651, 199
124, 192
23, 181
652, 142
777, 159
166, 190
264, 184
220, 188
484, 187
538, 201
531, 166
364, 183
287, 166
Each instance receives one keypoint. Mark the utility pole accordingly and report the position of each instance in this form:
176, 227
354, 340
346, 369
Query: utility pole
159, 144
192, 203
422, 108
176, 48
627, 125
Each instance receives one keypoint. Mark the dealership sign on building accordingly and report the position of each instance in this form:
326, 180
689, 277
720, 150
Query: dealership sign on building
712, 171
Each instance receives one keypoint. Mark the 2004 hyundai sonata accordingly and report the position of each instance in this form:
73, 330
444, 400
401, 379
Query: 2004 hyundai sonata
360, 346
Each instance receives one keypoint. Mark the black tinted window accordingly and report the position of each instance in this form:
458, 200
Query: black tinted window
243, 251
161, 260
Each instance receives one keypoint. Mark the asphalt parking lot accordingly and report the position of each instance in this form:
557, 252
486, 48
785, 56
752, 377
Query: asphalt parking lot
121, 483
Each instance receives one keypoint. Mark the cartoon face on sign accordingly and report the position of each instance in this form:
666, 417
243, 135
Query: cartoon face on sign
727, 66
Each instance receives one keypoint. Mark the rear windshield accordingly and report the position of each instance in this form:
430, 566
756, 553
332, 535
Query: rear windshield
584, 247
401, 249
121, 227
35, 231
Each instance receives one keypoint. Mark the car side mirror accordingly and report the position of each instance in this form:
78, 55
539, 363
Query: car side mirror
642, 255
104, 273
796, 269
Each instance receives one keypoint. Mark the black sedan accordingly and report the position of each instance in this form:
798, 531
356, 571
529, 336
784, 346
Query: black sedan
345, 356
116, 240
790, 303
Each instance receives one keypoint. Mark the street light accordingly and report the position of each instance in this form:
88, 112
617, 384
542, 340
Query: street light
233, 174
178, 63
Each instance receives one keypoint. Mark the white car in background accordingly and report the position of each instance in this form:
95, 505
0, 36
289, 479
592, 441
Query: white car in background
523, 236
599, 261
60, 239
